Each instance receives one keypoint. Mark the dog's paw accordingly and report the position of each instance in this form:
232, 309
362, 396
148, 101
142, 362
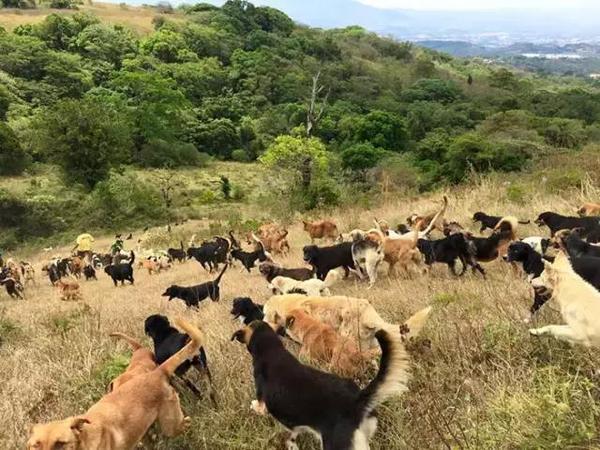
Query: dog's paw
536, 331
258, 407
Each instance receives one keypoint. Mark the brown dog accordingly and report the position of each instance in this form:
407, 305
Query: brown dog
436, 218
322, 229
403, 252
589, 209
142, 361
150, 265
322, 343
122, 417
76, 266
69, 289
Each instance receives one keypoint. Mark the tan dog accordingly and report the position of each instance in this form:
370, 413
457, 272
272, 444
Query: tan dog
322, 229
122, 417
435, 220
322, 343
351, 317
401, 252
69, 289
589, 209
150, 265
76, 266
142, 361
28, 272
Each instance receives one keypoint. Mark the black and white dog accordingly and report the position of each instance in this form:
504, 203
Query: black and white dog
246, 310
249, 259
324, 259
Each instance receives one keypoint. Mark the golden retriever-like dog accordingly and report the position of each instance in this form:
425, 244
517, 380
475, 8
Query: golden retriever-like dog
320, 342
321, 229
69, 289
150, 265
589, 209
122, 417
579, 305
351, 317
402, 252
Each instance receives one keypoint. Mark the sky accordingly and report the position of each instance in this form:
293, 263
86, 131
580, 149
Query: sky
454, 5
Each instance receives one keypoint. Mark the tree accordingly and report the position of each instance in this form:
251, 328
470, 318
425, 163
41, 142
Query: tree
470, 80
106, 43
5, 101
315, 113
13, 160
290, 153
432, 90
165, 45
360, 157
86, 138
217, 137
382, 129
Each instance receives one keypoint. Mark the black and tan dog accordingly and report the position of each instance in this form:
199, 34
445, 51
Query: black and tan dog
303, 398
246, 310
193, 295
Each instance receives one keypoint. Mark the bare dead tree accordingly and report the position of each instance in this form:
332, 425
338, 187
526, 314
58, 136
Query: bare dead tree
168, 183
316, 107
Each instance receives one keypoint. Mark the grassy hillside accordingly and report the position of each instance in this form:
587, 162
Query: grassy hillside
478, 379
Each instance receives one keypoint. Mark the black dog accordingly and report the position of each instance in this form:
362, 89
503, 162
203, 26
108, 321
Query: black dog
324, 259
168, 341
448, 250
300, 396
555, 222
247, 259
89, 272
63, 267
210, 254
12, 286
270, 271
177, 253
193, 295
490, 222
246, 310
533, 266
122, 271
577, 247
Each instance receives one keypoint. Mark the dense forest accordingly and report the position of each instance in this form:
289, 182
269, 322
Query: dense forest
324, 110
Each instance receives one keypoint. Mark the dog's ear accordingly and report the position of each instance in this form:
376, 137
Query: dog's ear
77, 424
240, 336
289, 321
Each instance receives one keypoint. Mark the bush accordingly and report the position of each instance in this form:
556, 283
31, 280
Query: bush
13, 160
361, 156
321, 193
240, 155
162, 154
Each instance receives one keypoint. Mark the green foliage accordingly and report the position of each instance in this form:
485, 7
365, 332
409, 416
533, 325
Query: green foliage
240, 155
361, 156
290, 153
381, 129
566, 133
217, 137
86, 138
226, 187
162, 154
432, 90
13, 159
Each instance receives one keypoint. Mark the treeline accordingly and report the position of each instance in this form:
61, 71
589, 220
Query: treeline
244, 83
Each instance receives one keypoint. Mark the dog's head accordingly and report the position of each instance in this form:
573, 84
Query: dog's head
310, 253
478, 216
559, 238
156, 324
517, 252
171, 292
245, 334
62, 434
402, 229
452, 228
266, 269
306, 225
543, 218
243, 307
108, 269
413, 219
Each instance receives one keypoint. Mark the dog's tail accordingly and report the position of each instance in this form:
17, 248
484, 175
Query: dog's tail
524, 222
132, 260
189, 351
437, 217
392, 377
135, 345
508, 225
218, 279
332, 277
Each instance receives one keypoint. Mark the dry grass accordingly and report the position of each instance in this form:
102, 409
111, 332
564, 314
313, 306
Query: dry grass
482, 383
137, 18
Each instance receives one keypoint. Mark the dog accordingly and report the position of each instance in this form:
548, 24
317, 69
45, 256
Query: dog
352, 236
556, 222
69, 289
270, 271
322, 343
53, 273
211, 254
577, 247
150, 265
193, 295
76, 266
13, 287
538, 243
122, 271
367, 256
433, 220
448, 250
89, 272
246, 311
303, 398
579, 305
177, 254
491, 222
28, 273
168, 341
351, 317
249, 260
589, 209
121, 418
313, 287
321, 229
324, 259
401, 252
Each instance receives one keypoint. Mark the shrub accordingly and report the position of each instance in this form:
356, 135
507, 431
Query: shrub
516, 194
240, 155
162, 154
361, 156
321, 193
560, 180
13, 159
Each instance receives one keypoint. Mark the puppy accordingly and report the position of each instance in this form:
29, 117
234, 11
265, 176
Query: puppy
323, 344
121, 271
168, 341
121, 418
193, 295
249, 260
303, 398
246, 310
313, 287
270, 271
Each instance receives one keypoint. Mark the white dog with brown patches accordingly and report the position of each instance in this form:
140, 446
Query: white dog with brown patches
579, 305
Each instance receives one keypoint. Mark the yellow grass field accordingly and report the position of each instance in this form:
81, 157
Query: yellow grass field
479, 381
138, 18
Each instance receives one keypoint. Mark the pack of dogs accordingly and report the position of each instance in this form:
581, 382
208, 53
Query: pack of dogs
340, 340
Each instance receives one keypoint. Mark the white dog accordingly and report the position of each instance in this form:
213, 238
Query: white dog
313, 287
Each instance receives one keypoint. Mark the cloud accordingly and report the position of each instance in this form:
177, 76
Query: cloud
453, 5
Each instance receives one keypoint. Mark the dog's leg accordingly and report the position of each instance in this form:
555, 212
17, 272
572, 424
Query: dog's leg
170, 416
560, 332
258, 407
360, 440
